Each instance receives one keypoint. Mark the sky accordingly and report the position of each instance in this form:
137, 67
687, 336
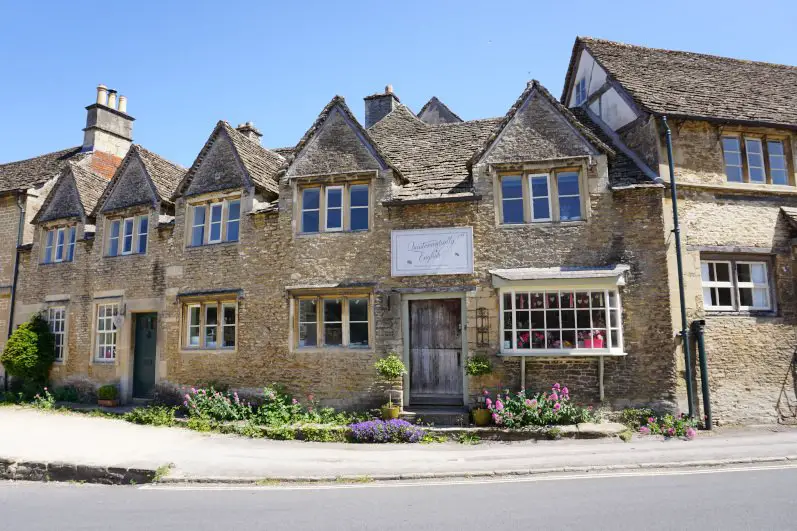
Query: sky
186, 65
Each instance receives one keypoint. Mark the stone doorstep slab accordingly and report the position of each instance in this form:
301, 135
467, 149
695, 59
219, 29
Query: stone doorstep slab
18, 470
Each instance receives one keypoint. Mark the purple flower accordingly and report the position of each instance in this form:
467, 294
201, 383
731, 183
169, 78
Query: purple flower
690, 433
565, 391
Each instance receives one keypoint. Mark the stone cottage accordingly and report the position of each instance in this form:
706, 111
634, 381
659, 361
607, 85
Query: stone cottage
540, 239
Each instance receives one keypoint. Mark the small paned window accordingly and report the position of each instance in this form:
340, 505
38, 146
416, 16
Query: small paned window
210, 325
106, 331
554, 196
127, 236
59, 245
113, 239
581, 91
215, 222
755, 160
56, 319
333, 322
736, 285
143, 231
336, 208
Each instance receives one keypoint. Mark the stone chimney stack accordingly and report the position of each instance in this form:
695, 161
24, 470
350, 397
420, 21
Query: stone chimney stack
109, 129
250, 131
377, 106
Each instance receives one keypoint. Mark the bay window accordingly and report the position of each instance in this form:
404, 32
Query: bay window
332, 321
210, 325
127, 236
561, 321
335, 208
736, 285
541, 197
215, 221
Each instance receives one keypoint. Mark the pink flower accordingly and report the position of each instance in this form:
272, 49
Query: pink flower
310, 397
554, 397
690, 433
488, 402
565, 391
556, 386
644, 430
557, 406
485, 392
651, 420
533, 402
499, 405
528, 402
497, 418
294, 401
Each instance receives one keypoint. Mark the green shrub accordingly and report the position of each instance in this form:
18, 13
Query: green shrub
66, 393
478, 366
108, 392
636, 418
30, 351
199, 424
390, 368
280, 433
525, 408
216, 405
151, 416
44, 400
324, 434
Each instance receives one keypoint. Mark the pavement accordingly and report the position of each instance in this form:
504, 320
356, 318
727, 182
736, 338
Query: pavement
749, 499
33, 436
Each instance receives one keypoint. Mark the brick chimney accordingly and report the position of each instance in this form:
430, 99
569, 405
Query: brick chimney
377, 106
109, 129
250, 131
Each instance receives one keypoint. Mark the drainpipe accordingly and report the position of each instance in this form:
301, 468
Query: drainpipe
698, 329
684, 333
20, 232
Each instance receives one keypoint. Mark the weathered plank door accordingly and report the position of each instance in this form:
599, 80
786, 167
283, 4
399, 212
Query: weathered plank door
435, 351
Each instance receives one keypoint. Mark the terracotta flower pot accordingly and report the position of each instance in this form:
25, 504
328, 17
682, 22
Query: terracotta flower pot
481, 416
390, 412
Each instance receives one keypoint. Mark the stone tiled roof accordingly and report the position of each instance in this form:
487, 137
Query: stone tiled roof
88, 185
24, 174
261, 163
791, 215
625, 168
165, 175
695, 85
433, 158
437, 112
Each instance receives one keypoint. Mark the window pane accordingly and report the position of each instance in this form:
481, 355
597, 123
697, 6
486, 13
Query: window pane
760, 298
48, 248
512, 187
198, 231
127, 238
143, 227
540, 210
358, 334
743, 272
334, 197
569, 208
724, 297
333, 334
358, 309
731, 143
59, 245
513, 211
229, 314
310, 221
215, 222
779, 177
568, 183
310, 198
211, 322
70, 251
358, 195
755, 160
334, 218
233, 220
734, 173
722, 272
232, 231
745, 296
333, 310
307, 311
234, 210
758, 273
704, 271
228, 339
359, 219
307, 323
307, 335
211, 315
215, 232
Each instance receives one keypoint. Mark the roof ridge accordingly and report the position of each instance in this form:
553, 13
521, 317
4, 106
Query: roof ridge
684, 52
51, 153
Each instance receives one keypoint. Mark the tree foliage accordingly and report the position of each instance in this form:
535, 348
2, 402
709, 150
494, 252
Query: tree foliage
30, 351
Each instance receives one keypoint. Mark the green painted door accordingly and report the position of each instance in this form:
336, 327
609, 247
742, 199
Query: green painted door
146, 334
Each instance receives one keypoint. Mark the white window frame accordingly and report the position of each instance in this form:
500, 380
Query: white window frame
60, 244
581, 91
49, 238
125, 236
203, 306
755, 140
305, 209
219, 207
609, 348
504, 200
111, 238
211, 206
739, 153
106, 327
534, 218
578, 196
327, 208
776, 156
321, 321
735, 285
70, 246
56, 319
195, 225
763, 141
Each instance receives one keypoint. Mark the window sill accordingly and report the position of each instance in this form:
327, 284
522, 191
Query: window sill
112, 257
738, 313
542, 224
210, 245
208, 350
56, 263
545, 353
321, 233
327, 350
103, 362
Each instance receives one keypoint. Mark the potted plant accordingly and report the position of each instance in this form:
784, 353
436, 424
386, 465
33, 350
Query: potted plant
479, 366
108, 396
390, 370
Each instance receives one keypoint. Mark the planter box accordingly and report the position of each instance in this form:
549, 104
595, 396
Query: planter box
108, 403
593, 343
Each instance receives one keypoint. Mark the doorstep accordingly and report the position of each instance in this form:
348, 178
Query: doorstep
443, 416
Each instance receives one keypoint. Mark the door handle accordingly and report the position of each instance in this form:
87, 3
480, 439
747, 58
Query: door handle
459, 358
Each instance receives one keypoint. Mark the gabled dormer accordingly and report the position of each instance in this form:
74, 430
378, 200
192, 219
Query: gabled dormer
334, 172
543, 162
232, 174
65, 216
140, 192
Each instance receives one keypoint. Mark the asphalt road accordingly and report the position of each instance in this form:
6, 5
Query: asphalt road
728, 500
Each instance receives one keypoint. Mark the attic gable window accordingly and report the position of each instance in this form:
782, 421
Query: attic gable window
214, 221
540, 197
127, 236
59, 245
755, 160
581, 91
338, 208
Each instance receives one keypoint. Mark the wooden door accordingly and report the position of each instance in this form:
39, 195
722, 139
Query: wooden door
435, 351
146, 333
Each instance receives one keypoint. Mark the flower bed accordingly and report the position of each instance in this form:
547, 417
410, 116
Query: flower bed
525, 408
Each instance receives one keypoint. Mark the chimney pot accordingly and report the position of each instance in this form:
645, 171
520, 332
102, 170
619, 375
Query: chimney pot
112, 98
123, 104
388, 89
249, 130
102, 94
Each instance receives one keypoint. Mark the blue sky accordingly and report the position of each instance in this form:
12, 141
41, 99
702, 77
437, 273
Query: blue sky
185, 65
